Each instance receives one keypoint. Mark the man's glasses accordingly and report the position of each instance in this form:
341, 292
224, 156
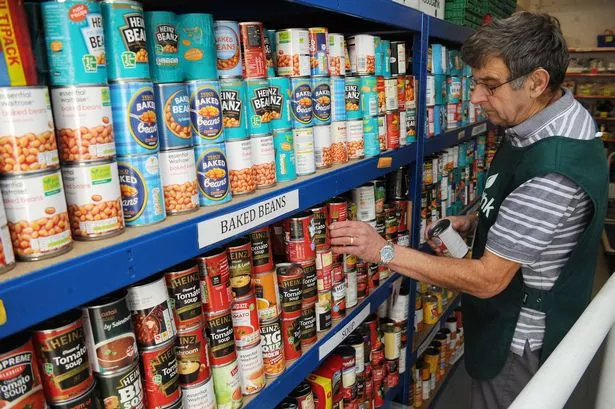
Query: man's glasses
490, 90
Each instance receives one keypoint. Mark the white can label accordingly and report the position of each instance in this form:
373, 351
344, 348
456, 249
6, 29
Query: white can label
351, 289
383, 310
362, 54
322, 146
239, 154
339, 132
178, 175
402, 359
390, 94
263, 158
293, 52
418, 317
251, 369
403, 130
304, 150
355, 139
430, 90
200, 397
7, 256
398, 311
365, 200
3, 219
338, 291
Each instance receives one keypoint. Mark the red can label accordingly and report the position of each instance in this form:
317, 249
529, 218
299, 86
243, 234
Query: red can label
392, 130
191, 351
381, 95
362, 281
215, 284
309, 291
245, 321
160, 377
337, 211
262, 257
185, 294
291, 336
401, 92
299, 234
278, 242
324, 270
221, 341
402, 210
290, 286
321, 232
20, 382
273, 348
337, 272
338, 292
253, 50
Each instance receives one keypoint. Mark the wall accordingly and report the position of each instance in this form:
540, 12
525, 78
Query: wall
582, 20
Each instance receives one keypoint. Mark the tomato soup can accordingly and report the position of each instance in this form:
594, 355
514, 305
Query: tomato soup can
267, 295
125, 40
324, 311
191, 352
122, 389
212, 174
227, 385
184, 288
362, 53
352, 98
37, 202
134, 118
262, 255
393, 129
339, 145
338, 99
240, 166
337, 57
215, 284
355, 139
273, 348
234, 109
337, 209
301, 104
245, 321
205, 112
308, 325
27, 123
308, 289
290, 286
324, 268
219, 330
447, 239
303, 143
371, 144
173, 110
62, 357
20, 374
362, 281
279, 91
300, 241
258, 102
291, 336
321, 231
200, 396
285, 167
179, 181
253, 49
197, 48
293, 52
83, 123
338, 308
163, 46
251, 368
263, 158
322, 146
228, 49
89, 400
160, 376
319, 51
321, 100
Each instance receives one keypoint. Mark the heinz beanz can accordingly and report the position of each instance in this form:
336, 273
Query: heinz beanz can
173, 112
134, 118
212, 174
141, 189
197, 46
369, 95
321, 100
125, 40
285, 168
228, 49
279, 91
371, 144
75, 42
163, 46
352, 98
338, 99
301, 102
258, 106
205, 112
234, 109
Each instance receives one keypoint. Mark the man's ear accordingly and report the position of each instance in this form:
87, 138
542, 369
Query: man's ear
539, 82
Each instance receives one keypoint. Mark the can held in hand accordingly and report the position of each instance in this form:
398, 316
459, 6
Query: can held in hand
279, 91
352, 98
355, 139
337, 58
197, 48
303, 143
273, 348
160, 376
263, 158
301, 102
228, 49
179, 181
371, 143
173, 112
205, 112
369, 95
258, 106
338, 99
123, 389
191, 352
447, 239
234, 109
319, 51
285, 167
251, 369
241, 172
212, 174
293, 52
163, 46
321, 100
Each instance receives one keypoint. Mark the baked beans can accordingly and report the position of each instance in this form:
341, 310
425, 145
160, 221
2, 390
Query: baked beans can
184, 288
324, 311
141, 189
197, 48
270, 52
369, 95
251, 369
62, 357
293, 52
303, 145
75, 42
179, 181
125, 40
308, 289
27, 123
122, 389
321, 232
215, 283
191, 352
371, 143
212, 174
290, 286
173, 110
263, 157
219, 330
200, 396
134, 117
83, 123
240, 266
21, 381
205, 112
37, 202
267, 295
234, 110
355, 139
273, 348
279, 91
228, 49
321, 100
391, 94
338, 307
398, 58
253, 50
338, 99
160, 376
361, 49
240, 166
262, 255
322, 146
291, 336
258, 103
285, 167
308, 325
301, 104
352, 98
245, 321
163, 46
393, 129
324, 269
18, 65
339, 146
453, 90
337, 57
319, 51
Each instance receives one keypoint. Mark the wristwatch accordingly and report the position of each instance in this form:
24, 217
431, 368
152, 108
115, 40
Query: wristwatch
387, 252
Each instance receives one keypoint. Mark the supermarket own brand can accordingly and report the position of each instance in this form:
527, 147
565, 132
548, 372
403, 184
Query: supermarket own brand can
160, 376
303, 144
301, 102
179, 181
308, 324
401, 92
371, 144
123, 388
369, 95
262, 256
381, 95
273, 348
267, 295
227, 385
125, 40
386, 53
219, 330
94, 200
240, 169
134, 118
27, 122
322, 146
173, 112
205, 112
410, 125
338, 294
393, 129
410, 98
355, 139
253, 49
228, 49
258, 102
197, 48
163, 46
75, 42
361, 49
293, 52
234, 109
352, 98
324, 269
141, 189
403, 131
184, 288
308, 288
390, 94
321, 100
200, 396
191, 352
215, 284
30, 200
212, 174
324, 310
83, 123
245, 321
279, 91
251, 368
290, 284
338, 99
398, 58
291, 336
337, 58
285, 167
319, 51
263, 159
453, 90
339, 147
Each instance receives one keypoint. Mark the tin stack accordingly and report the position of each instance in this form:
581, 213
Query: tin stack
337, 71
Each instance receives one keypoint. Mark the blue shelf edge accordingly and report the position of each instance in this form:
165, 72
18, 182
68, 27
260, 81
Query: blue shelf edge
445, 30
455, 136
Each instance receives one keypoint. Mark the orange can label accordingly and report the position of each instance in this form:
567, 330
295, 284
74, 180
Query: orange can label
19, 378
267, 295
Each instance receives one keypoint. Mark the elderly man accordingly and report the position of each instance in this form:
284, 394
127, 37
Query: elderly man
540, 215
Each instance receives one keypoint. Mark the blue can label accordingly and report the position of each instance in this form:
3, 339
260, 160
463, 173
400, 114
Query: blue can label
453, 89
369, 95
259, 107
228, 48
232, 96
321, 99
371, 143
338, 99
212, 174
172, 105
205, 112
279, 90
285, 168
352, 98
197, 46
301, 102
141, 190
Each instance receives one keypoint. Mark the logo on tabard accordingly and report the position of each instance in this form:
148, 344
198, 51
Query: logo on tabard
486, 204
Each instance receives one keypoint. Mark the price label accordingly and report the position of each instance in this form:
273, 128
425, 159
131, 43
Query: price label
385, 162
461, 134
337, 339
478, 129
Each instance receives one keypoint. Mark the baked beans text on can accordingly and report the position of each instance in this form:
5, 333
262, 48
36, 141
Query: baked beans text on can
234, 110
173, 112
240, 166
355, 139
215, 283
301, 102
251, 369
184, 288
160, 376
179, 181
228, 49
191, 352
279, 91
293, 52
321, 100
258, 106
212, 174
263, 159
163, 46
197, 48
273, 348
123, 389
219, 331
141, 189
253, 50
205, 112
352, 98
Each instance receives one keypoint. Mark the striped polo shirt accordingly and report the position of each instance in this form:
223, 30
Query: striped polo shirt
539, 223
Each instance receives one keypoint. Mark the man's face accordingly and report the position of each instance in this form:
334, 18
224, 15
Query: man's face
504, 105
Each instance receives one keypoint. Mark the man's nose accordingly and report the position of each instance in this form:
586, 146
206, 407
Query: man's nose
478, 95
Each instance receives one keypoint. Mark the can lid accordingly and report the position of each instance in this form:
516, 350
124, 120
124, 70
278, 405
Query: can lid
354, 339
288, 403
439, 227
345, 351
301, 390
288, 269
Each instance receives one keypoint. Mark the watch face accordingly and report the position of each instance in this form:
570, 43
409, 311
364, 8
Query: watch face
386, 253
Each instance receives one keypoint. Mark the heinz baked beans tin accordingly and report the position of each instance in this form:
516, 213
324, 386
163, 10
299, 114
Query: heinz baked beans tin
355, 139
234, 109
240, 166
197, 48
337, 58
279, 91
258, 106
339, 146
219, 330
160, 376
109, 333
253, 49
212, 174
200, 396
293, 52
371, 144
308, 289
263, 158
251, 368
290, 285
303, 144
94, 200
324, 310
245, 321
291, 336
338, 99
163, 46
308, 324
285, 167
191, 352
205, 112
122, 389
62, 357
321, 100
215, 284
262, 256
319, 51
267, 295
301, 104
184, 288
322, 146
352, 98
321, 231
228, 49
173, 112
227, 385
179, 181
273, 348
20, 375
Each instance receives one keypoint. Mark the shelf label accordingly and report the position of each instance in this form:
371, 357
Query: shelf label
228, 225
478, 129
385, 162
461, 134
337, 339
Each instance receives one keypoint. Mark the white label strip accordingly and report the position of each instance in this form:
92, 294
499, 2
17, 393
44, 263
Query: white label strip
222, 227
337, 339
428, 340
461, 134
479, 129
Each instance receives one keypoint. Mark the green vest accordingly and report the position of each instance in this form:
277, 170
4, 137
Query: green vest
489, 324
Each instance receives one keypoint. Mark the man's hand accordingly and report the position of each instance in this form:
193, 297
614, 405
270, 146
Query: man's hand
357, 238
461, 224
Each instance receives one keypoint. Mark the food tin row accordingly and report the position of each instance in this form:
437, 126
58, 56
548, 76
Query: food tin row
443, 60
440, 118
443, 90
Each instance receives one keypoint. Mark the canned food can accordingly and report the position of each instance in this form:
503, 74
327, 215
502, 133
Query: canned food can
270, 52
291, 336
301, 102
322, 146
303, 144
134, 118
447, 239
371, 143
300, 237
7, 256
369, 95
227, 385
324, 269
338, 308
393, 129
352, 98
89, 400
410, 126
179, 181
251, 368
215, 281
24, 69
184, 288
321, 100
234, 110
361, 49
240, 167
337, 57
339, 146
219, 330
374, 276
125, 40
382, 132
253, 50
240, 266
279, 90
453, 90
173, 110
379, 56
410, 97
398, 58
290, 285
37, 202
212, 174
273, 348
205, 112
324, 311
308, 289
319, 51
392, 340
258, 106
338, 99
321, 231
163, 46
191, 352
263, 158
337, 210
308, 325
430, 90
28, 124
391, 94
362, 281
160, 376
403, 133
351, 288
285, 167
278, 239
262, 256
228, 49
293, 52
200, 396
197, 48
245, 321
401, 92
355, 139
381, 95
386, 52
122, 388
75, 42
267, 295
